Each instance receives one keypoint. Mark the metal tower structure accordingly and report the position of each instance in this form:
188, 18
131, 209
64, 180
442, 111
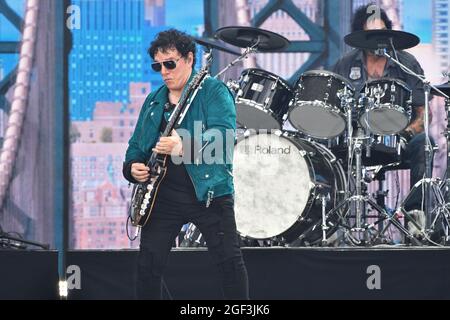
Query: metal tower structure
325, 44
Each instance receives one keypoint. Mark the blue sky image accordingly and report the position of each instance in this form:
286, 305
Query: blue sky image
183, 18
417, 18
9, 33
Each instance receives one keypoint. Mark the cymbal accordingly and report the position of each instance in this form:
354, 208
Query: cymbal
214, 44
380, 39
245, 37
445, 88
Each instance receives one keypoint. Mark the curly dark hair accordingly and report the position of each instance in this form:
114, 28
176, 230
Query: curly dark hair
173, 39
364, 13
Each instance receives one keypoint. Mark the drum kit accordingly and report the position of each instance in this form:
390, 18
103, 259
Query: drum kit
303, 151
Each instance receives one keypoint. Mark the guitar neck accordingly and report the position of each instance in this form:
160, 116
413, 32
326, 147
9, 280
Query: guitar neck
188, 96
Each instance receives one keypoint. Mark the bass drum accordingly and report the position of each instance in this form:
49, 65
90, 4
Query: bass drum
279, 180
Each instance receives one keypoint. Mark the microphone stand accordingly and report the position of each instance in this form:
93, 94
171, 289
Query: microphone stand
246, 53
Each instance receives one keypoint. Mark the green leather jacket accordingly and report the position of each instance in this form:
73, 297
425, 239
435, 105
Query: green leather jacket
214, 108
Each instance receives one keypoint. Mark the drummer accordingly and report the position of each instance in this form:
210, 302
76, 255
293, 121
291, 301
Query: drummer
359, 66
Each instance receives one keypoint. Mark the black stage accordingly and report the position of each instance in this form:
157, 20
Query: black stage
274, 273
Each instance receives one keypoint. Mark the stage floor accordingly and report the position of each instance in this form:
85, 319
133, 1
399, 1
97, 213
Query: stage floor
274, 273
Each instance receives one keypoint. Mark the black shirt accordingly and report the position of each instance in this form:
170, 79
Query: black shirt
177, 185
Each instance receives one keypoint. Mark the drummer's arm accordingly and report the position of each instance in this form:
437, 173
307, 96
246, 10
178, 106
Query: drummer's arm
417, 125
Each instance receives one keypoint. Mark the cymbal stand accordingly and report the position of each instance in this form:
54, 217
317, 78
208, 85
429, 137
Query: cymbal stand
247, 52
442, 210
354, 147
324, 199
430, 185
447, 175
424, 232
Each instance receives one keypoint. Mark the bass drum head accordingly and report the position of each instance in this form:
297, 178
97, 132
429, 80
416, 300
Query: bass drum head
272, 183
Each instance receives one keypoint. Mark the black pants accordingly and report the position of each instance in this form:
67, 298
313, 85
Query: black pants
414, 157
218, 226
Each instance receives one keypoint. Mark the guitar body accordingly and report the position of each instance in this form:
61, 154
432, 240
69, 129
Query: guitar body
144, 194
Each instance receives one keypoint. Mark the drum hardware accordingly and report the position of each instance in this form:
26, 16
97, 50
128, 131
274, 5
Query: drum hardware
381, 41
243, 56
262, 100
274, 85
214, 44
424, 233
359, 233
192, 237
443, 213
325, 199
446, 184
438, 232
252, 40
261, 97
430, 185
316, 100
377, 150
360, 199
244, 37
233, 85
381, 194
387, 110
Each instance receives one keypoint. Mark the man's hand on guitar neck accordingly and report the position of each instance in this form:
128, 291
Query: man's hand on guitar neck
172, 145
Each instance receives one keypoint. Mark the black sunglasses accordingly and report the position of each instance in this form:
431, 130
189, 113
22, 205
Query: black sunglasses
169, 64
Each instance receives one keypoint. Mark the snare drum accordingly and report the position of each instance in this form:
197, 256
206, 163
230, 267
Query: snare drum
262, 100
377, 150
316, 110
389, 109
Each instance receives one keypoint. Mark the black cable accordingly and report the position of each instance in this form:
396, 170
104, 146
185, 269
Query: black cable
21, 243
128, 229
17, 241
14, 234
